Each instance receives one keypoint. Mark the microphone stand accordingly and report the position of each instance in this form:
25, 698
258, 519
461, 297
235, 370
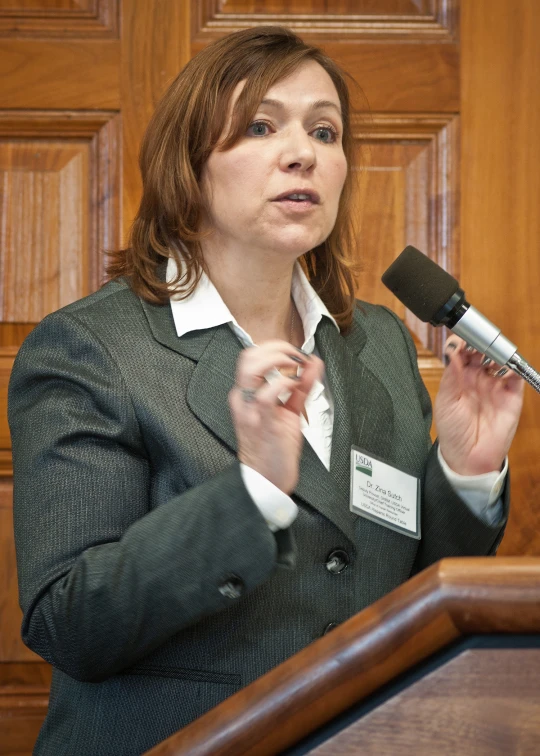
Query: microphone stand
522, 368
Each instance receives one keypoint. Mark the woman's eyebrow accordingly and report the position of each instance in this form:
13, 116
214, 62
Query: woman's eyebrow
317, 105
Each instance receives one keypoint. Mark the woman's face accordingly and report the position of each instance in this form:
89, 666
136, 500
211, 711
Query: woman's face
292, 144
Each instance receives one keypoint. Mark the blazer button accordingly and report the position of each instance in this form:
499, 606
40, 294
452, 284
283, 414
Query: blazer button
337, 561
330, 626
232, 587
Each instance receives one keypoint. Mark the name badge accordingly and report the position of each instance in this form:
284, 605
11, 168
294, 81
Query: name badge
383, 494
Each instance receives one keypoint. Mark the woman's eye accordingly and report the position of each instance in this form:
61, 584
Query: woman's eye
332, 133
258, 128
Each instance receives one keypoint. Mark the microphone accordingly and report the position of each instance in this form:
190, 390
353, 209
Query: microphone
435, 297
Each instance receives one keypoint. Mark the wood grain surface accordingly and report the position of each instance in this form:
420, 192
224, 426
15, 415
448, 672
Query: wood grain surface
60, 199
351, 19
409, 194
155, 48
24, 694
45, 250
42, 18
501, 213
358, 7
55, 73
454, 598
481, 703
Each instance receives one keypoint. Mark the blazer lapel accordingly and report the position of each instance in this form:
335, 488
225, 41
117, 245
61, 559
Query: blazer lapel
213, 378
215, 352
362, 416
363, 411
161, 324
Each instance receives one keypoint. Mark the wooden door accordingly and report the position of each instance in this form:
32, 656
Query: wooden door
78, 81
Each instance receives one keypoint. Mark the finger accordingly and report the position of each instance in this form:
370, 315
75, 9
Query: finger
290, 391
481, 373
275, 395
514, 383
452, 379
487, 376
248, 386
492, 370
268, 349
469, 372
243, 412
313, 371
453, 352
468, 355
508, 380
466, 367
480, 370
463, 372
454, 344
256, 363
496, 371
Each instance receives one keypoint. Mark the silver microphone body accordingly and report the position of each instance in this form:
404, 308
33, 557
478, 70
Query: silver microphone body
484, 336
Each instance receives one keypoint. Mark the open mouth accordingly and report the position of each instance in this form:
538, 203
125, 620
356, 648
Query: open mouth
299, 197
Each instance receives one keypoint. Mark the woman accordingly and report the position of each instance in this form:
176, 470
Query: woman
193, 539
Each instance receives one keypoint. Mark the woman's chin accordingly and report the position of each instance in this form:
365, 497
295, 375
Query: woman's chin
297, 244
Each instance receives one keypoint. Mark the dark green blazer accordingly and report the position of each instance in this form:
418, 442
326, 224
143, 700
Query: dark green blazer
148, 578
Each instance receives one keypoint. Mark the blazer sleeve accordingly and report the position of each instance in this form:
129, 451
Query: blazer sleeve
449, 527
104, 579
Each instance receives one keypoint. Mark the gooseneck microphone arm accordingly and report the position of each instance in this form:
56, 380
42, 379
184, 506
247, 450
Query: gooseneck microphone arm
434, 296
522, 368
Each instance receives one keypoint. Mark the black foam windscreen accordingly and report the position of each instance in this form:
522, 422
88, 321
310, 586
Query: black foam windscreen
418, 282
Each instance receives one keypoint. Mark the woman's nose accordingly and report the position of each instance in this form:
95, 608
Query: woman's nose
298, 150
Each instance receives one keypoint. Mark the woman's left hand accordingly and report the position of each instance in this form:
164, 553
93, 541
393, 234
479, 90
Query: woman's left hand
476, 411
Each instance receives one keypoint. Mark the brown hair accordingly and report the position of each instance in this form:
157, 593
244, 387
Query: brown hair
182, 133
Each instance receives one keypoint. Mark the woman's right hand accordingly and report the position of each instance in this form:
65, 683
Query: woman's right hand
268, 431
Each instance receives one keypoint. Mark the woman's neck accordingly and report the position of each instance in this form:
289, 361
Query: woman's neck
259, 297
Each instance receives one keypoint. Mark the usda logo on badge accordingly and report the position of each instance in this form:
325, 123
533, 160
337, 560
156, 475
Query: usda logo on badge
363, 464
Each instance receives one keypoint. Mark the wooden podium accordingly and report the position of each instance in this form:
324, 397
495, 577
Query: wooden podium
448, 663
